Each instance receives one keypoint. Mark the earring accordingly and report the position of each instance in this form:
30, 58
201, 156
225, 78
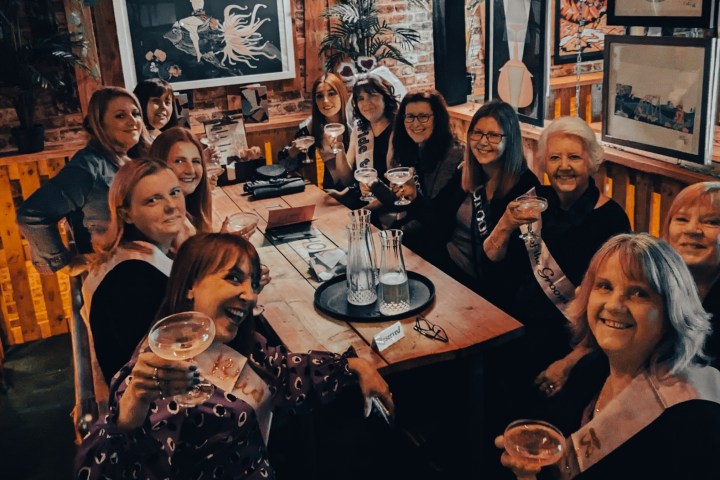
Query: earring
190, 295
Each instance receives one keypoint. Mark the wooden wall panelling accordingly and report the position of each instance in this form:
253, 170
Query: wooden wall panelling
79, 20
643, 201
668, 191
53, 306
106, 38
12, 245
315, 29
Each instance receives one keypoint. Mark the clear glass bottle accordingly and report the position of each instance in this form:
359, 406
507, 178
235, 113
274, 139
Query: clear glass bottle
361, 218
393, 289
361, 288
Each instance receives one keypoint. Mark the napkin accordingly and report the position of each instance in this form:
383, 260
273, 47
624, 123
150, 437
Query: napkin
328, 264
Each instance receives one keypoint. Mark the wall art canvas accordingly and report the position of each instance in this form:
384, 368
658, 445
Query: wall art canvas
517, 56
568, 16
205, 43
659, 95
662, 13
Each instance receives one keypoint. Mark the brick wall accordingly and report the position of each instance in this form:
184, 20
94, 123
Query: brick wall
286, 96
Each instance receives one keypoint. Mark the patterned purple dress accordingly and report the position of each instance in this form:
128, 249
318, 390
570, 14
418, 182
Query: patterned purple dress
220, 438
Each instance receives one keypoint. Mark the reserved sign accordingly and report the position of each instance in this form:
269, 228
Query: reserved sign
389, 336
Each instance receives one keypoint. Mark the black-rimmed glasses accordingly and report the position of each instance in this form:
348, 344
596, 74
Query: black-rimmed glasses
492, 137
422, 118
430, 330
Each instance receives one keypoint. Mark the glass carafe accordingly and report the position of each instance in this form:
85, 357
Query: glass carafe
360, 272
393, 289
361, 218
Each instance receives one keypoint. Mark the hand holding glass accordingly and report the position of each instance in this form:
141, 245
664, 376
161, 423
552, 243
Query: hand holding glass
182, 336
529, 205
399, 176
334, 130
366, 176
534, 442
302, 144
242, 223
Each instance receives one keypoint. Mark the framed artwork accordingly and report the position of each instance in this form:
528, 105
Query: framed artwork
662, 13
198, 43
659, 95
516, 60
592, 39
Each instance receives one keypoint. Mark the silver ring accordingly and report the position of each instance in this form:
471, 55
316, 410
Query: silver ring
155, 377
551, 387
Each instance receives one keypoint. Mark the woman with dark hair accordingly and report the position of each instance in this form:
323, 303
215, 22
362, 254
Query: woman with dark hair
641, 405
79, 191
148, 434
329, 96
157, 103
422, 139
374, 106
184, 154
461, 216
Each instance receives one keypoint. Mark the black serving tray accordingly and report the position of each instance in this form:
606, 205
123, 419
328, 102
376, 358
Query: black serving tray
331, 298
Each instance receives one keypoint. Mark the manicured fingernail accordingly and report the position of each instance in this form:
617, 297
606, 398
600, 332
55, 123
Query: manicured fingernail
196, 374
192, 368
195, 381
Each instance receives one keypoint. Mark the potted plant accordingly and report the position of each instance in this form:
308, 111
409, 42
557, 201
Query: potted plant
358, 32
36, 57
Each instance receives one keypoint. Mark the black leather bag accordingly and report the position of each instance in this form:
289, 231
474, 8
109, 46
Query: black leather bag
274, 188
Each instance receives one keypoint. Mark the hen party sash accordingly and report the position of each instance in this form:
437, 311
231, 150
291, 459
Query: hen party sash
553, 281
363, 146
636, 407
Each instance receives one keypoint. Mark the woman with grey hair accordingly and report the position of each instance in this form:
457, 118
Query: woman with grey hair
536, 279
640, 395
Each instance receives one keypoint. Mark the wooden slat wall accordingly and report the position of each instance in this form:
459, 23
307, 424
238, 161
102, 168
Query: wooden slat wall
315, 29
33, 306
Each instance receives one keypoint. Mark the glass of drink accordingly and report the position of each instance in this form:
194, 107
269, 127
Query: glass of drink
334, 130
399, 176
534, 441
182, 336
365, 176
242, 223
303, 143
530, 204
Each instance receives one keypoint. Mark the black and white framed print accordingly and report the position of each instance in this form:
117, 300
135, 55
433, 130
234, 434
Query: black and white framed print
659, 95
205, 43
516, 63
662, 13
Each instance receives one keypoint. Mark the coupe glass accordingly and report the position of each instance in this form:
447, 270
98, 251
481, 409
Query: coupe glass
530, 204
303, 143
399, 176
182, 336
365, 176
242, 223
534, 441
334, 130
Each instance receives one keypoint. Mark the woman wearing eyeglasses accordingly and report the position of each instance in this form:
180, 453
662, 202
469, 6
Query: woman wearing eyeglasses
422, 139
464, 213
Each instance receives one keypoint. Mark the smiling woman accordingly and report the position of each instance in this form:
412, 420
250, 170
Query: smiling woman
79, 191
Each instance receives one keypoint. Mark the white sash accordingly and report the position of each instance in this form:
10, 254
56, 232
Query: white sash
152, 255
636, 407
553, 281
363, 146
228, 369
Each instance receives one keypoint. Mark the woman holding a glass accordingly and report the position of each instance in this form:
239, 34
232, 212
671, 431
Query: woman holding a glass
641, 405
147, 432
535, 277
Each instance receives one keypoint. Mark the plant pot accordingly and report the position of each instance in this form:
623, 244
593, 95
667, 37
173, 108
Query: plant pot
29, 140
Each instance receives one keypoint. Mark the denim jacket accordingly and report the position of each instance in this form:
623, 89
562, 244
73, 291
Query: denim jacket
80, 193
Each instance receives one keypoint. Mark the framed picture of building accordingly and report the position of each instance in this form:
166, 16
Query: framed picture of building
516, 60
570, 36
659, 95
199, 43
662, 13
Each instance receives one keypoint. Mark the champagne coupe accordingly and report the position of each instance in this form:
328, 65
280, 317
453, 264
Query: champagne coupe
182, 336
242, 223
334, 130
534, 441
531, 205
399, 176
213, 168
365, 176
259, 309
303, 143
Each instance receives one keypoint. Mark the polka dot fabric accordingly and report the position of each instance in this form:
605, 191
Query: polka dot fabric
219, 439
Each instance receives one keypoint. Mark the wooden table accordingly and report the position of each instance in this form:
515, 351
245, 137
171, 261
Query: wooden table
471, 322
